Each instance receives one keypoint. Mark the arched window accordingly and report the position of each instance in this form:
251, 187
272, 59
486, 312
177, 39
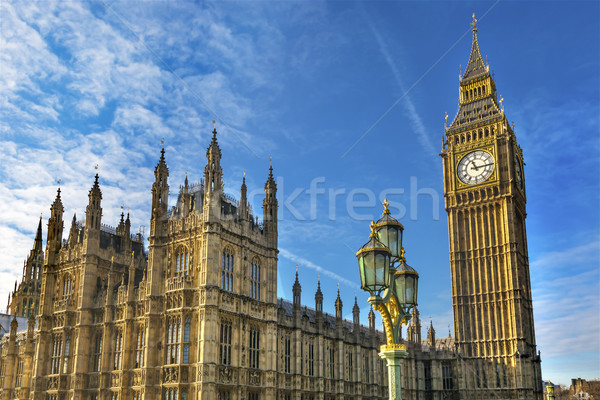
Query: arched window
66, 354
118, 350
139, 347
225, 343
67, 286
182, 262
186, 340
227, 270
255, 279
97, 351
56, 354
173, 340
254, 347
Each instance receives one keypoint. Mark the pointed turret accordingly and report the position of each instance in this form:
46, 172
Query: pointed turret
243, 209
338, 304
319, 299
160, 194
93, 218
38, 237
33, 264
296, 290
73, 233
30, 327
414, 328
13, 327
93, 211
431, 335
356, 314
270, 206
126, 233
213, 173
55, 229
371, 319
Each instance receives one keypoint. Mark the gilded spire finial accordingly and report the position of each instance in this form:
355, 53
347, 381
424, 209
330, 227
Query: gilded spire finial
386, 204
474, 23
402, 252
446, 117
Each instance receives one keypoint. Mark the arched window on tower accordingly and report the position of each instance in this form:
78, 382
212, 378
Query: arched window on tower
255, 279
186, 339
67, 287
227, 270
139, 346
118, 349
182, 262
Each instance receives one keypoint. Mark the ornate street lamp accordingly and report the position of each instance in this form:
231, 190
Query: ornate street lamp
392, 284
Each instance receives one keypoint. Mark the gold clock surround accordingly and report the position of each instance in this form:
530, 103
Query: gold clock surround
491, 179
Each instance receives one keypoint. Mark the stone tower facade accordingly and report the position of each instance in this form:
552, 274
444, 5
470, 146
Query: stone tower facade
24, 301
485, 200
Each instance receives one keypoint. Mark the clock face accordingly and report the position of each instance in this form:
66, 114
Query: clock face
475, 167
519, 173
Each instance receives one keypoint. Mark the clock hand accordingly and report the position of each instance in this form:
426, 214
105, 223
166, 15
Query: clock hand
476, 168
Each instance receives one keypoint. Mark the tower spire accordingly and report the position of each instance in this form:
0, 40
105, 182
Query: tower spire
38, 237
475, 66
477, 99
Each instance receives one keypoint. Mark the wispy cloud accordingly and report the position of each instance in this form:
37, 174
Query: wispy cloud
409, 107
309, 264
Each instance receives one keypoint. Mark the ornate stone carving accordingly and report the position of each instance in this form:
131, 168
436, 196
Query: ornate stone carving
225, 375
170, 374
52, 383
254, 378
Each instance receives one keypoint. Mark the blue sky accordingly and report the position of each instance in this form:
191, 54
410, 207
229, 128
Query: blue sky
347, 97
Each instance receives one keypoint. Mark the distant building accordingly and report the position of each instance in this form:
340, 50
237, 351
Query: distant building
582, 389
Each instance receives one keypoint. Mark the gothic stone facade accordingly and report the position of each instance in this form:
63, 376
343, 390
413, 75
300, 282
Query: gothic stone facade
195, 318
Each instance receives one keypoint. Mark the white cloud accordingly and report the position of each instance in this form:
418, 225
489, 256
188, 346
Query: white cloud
567, 306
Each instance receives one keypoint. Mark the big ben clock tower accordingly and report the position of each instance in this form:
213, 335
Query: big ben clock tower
485, 199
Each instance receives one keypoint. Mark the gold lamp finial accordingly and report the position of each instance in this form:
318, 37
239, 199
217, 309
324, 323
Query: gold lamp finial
402, 252
373, 234
386, 204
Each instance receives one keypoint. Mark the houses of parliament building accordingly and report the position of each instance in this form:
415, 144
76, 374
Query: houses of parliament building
196, 315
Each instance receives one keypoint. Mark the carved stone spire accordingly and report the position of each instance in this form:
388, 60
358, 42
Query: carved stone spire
338, 304
319, 298
297, 290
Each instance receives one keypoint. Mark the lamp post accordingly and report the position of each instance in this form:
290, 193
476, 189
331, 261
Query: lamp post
392, 285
